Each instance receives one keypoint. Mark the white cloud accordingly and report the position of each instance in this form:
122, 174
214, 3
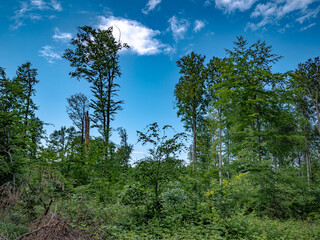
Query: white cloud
56, 5
42, 5
29, 10
273, 12
309, 14
232, 5
61, 36
307, 27
198, 25
140, 38
151, 5
49, 54
178, 27
39, 4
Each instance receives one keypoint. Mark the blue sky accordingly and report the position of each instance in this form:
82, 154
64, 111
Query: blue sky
159, 33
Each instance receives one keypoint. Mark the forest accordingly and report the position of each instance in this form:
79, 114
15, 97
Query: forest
252, 138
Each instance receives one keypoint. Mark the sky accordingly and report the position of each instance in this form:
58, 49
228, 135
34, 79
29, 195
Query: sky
159, 33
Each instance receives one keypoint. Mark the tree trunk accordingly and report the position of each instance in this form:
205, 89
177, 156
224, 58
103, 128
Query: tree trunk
87, 132
220, 149
259, 139
194, 145
318, 116
307, 160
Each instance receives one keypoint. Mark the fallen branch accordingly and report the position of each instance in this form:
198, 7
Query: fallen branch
32, 232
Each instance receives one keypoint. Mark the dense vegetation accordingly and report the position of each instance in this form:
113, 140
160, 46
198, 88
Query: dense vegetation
253, 171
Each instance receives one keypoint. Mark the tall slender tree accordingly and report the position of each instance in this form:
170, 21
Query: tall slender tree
307, 79
19, 128
27, 76
96, 59
305, 84
215, 87
190, 95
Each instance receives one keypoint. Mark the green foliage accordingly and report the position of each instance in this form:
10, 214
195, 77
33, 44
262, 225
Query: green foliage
255, 137
10, 230
96, 59
190, 95
231, 197
162, 165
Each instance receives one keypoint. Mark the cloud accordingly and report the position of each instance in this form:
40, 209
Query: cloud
56, 5
140, 38
178, 27
151, 5
198, 25
309, 14
273, 12
42, 5
307, 27
232, 5
30, 10
49, 54
61, 36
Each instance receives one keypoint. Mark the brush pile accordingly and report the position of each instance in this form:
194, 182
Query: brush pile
51, 228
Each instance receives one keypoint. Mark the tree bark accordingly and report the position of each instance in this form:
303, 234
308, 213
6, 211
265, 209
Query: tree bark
307, 160
87, 131
194, 145
220, 149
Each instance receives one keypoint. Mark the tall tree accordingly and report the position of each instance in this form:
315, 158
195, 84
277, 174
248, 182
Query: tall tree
215, 87
252, 91
305, 86
96, 59
190, 95
307, 79
19, 128
78, 105
27, 77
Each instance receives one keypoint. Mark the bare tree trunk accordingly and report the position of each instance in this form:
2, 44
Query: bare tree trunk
259, 139
307, 160
87, 131
220, 149
316, 105
194, 145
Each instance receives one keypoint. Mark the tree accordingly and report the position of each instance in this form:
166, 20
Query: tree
20, 129
96, 59
252, 93
124, 149
215, 87
162, 162
305, 88
33, 126
78, 105
27, 77
307, 80
190, 95
9, 123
